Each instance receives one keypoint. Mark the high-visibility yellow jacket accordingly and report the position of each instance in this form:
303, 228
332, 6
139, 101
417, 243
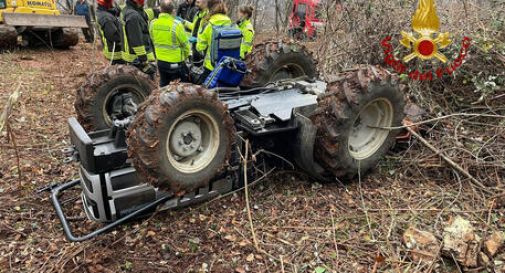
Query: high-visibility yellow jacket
169, 38
196, 27
247, 37
204, 43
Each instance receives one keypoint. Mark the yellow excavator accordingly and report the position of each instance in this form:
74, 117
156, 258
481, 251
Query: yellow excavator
37, 23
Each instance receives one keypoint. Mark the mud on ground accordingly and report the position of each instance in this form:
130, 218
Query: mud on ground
301, 225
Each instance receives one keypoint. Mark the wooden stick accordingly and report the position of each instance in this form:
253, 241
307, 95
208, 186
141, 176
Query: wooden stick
376, 264
16, 151
437, 119
334, 231
248, 207
453, 164
246, 190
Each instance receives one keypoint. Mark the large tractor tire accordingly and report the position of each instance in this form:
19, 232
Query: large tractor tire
181, 138
278, 60
97, 99
65, 38
8, 38
348, 117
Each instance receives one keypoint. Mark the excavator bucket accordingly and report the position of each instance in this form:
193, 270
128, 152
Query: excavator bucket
44, 21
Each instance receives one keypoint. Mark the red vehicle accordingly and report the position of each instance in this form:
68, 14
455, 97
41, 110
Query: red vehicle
305, 19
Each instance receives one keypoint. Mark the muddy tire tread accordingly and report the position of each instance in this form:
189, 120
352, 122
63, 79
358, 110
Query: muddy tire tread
86, 93
339, 105
144, 133
8, 38
264, 55
69, 37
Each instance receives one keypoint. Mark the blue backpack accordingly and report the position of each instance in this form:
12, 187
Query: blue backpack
226, 42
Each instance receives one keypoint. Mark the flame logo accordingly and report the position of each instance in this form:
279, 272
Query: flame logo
426, 18
426, 24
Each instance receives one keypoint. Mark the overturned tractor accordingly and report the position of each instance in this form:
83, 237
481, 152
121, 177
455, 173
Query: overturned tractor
186, 144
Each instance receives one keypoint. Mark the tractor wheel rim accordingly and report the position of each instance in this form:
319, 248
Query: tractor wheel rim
366, 135
288, 71
138, 97
193, 141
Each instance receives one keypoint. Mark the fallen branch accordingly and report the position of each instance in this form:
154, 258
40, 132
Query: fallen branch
246, 190
406, 126
453, 164
333, 229
11, 136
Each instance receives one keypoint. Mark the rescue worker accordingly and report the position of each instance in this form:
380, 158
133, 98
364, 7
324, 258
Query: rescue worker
246, 27
171, 45
137, 45
196, 27
110, 30
217, 17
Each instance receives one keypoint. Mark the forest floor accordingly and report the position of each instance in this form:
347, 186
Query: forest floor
301, 225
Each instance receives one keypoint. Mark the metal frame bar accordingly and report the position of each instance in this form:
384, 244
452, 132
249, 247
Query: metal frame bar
56, 190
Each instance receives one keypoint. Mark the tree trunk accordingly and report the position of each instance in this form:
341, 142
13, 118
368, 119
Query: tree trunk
289, 8
232, 7
255, 14
277, 16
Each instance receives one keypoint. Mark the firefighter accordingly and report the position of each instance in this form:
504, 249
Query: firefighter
171, 45
110, 30
137, 45
245, 13
217, 17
